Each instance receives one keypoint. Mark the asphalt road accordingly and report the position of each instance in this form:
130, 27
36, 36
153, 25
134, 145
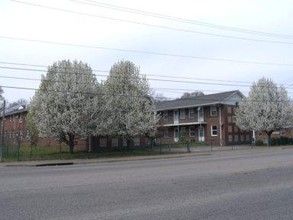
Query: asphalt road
230, 185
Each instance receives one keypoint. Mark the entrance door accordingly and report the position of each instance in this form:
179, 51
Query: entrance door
176, 134
176, 117
200, 117
201, 134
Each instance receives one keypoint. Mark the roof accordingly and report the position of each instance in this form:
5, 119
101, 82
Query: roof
211, 99
15, 109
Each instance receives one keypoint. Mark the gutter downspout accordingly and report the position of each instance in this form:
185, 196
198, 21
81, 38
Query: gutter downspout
220, 121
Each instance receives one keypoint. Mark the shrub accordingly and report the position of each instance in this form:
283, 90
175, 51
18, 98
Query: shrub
281, 141
259, 143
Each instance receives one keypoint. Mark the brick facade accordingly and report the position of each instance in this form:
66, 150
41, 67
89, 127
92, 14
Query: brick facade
203, 119
209, 119
15, 131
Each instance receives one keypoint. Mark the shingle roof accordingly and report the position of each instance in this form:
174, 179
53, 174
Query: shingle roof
216, 98
15, 109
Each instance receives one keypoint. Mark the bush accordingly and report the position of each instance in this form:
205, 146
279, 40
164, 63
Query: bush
259, 143
281, 141
275, 141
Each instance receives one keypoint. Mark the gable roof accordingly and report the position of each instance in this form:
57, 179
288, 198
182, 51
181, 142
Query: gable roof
15, 109
211, 99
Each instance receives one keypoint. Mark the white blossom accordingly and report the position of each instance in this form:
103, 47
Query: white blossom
129, 108
267, 108
67, 104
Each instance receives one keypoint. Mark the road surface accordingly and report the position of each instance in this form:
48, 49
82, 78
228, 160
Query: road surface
249, 184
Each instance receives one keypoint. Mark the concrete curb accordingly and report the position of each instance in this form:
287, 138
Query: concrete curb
137, 158
97, 160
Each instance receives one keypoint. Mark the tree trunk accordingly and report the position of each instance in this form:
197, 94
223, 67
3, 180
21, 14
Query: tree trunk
269, 133
71, 142
128, 143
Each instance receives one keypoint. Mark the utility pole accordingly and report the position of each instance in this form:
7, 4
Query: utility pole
2, 133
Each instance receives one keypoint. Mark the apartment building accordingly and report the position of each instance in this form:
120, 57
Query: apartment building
208, 118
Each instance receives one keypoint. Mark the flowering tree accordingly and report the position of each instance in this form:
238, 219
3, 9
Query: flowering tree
267, 108
67, 103
130, 110
1, 93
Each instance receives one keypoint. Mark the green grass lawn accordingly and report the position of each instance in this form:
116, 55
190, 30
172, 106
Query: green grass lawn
26, 153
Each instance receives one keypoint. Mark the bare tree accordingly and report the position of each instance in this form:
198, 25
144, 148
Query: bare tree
187, 95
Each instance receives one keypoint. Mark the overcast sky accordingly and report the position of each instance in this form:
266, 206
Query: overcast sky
206, 45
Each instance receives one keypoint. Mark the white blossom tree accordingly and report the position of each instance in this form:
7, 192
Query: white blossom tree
130, 110
267, 108
1, 93
67, 104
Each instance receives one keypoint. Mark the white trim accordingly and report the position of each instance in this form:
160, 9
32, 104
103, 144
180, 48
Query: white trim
187, 123
213, 109
191, 110
176, 116
176, 134
190, 106
191, 131
182, 113
220, 122
214, 135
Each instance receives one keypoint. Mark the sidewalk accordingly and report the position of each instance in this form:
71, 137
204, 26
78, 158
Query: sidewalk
195, 151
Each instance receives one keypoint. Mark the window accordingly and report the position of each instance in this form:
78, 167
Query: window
191, 113
230, 138
166, 133
124, 142
247, 137
214, 130
234, 119
103, 142
235, 129
136, 141
182, 113
229, 110
236, 138
165, 115
214, 111
115, 142
191, 131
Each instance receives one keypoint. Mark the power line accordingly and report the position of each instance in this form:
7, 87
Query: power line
155, 75
151, 79
181, 20
145, 52
153, 25
173, 90
205, 98
35, 65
